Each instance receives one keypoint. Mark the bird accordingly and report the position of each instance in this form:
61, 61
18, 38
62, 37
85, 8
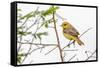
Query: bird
71, 33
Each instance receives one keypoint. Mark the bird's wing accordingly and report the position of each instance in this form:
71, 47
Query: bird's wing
72, 31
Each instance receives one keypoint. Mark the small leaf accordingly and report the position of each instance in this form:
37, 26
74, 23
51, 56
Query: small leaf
29, 32
43, 18
23, 33
50, 11
30, 14
19, 59
19, 10
46, 25
34, 36
22, 54
27, 16
39, 35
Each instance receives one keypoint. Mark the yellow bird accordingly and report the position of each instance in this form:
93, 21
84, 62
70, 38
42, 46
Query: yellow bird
70, 32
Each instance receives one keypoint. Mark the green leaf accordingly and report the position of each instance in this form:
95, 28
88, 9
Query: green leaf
46, 25
29, 33
20, 27
50, 11
19, 10
30, 14
19, 59
23, 33
35, 36
27, 16
39, 35
43, 18
47, 22
22, 54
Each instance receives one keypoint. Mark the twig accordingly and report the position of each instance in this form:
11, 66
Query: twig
51, 50
28, 18
19, 44
26, 54
26, 29
32, 24
77, 59
35, 50
60, 16
86, 53
90, 55
67, 45
71, 50
32, 38
79, 37
85, 31
41, 49
61, 56
71, 58
37, 44
64, 55
24, 22
30, 44
31, 62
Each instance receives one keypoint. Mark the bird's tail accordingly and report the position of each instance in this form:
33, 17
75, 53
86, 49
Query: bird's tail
79, 41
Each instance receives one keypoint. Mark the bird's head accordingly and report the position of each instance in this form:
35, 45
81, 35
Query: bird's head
65, 25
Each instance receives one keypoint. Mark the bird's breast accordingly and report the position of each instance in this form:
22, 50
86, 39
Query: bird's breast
68, 36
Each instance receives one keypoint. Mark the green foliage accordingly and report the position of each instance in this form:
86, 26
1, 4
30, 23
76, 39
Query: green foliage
20, 32
18, 28
30, 15
19, 57
47, 22
50, 11
39, 35
19, 10
46, 13
22, 54
42, 15
27, 16
46, 25
23, 33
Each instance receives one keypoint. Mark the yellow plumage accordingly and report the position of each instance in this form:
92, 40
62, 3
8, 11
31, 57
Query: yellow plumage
71, 33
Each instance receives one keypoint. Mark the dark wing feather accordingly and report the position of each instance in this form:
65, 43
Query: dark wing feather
72, 31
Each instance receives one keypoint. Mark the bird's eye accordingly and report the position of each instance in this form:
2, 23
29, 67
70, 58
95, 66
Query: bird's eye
65, 24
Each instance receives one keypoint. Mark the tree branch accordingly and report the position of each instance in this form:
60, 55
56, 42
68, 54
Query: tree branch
60, 16
71, 58
71, 50
90, 56
61, 56
51, 50
37, 43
